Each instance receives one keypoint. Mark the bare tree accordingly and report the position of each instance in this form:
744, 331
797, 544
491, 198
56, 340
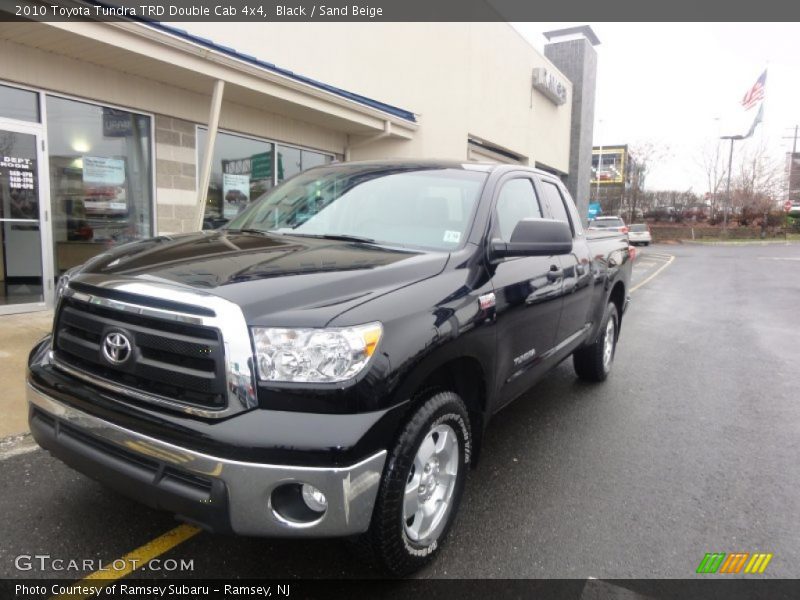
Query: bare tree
757, 183
713, 164
644, 156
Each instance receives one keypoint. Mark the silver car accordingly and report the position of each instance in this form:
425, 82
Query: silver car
639, 233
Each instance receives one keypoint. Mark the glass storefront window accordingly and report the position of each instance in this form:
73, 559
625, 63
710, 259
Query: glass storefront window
101, 178
289, 163
292, 161
314, 159
22, 105
241, 171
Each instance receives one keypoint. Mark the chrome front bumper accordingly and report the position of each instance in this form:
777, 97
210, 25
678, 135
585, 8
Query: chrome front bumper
84, 441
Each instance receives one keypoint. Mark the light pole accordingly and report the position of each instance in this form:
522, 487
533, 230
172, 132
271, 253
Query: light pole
599, 160
794, 137
732, 138
715, 184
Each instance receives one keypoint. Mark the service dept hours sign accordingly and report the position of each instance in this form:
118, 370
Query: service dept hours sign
549, 84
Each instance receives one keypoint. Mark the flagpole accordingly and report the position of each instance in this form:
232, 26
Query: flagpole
755, 94
728, 187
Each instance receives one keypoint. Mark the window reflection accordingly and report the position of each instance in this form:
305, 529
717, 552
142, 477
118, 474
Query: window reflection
292, 161
22, 105
241, 170
101, 178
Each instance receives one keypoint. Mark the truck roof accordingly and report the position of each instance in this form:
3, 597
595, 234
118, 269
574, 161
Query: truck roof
442, 164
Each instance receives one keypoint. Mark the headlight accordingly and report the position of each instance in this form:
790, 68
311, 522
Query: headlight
314, 355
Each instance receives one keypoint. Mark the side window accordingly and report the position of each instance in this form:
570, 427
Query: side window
555, 201
517, 201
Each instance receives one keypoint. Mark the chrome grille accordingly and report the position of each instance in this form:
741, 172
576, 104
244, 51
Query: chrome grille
179, 361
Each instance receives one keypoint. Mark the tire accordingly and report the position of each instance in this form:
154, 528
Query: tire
390, 543
647, 243
594, 362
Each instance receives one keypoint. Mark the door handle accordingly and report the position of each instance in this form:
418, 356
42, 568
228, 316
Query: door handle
554, 274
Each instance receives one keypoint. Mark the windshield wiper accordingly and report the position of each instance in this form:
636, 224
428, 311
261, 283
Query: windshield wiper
251, 230
336, 236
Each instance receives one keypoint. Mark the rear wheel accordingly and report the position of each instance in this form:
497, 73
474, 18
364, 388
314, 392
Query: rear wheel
593, 362
421, 487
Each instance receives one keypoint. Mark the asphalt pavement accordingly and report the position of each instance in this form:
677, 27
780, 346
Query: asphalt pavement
691, 446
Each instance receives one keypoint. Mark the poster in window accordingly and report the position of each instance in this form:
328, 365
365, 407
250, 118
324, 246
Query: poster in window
104, 186
17, 174
117, 123
236, 194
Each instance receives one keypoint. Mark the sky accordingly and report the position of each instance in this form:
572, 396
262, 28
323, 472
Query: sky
679, 85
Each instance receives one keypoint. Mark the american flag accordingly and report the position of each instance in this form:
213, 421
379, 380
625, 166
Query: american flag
756, 93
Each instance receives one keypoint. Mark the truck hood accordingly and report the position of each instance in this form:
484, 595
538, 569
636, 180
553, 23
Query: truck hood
277, 280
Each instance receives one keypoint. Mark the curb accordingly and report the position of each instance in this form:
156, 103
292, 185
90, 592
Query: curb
742, 243
14, 445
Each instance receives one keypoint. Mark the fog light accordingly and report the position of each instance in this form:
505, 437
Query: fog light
314, 499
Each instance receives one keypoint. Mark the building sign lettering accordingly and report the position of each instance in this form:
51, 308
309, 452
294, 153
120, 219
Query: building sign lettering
549, 84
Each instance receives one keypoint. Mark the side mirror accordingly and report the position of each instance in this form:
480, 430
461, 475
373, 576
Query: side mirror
535, 237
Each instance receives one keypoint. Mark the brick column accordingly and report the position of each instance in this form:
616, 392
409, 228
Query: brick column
176, 175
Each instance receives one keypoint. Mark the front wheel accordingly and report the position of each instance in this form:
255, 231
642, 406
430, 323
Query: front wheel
593, 362
421, 487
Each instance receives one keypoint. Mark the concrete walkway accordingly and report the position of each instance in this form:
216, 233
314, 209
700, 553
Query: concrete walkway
18, 333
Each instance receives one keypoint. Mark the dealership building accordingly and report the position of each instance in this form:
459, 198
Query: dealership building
117, 131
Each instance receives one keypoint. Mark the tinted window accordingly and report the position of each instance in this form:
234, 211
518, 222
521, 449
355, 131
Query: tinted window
603, 223
516, 201
556, 203
638, 228
22, 105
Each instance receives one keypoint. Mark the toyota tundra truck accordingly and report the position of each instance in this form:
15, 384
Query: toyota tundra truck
327, 362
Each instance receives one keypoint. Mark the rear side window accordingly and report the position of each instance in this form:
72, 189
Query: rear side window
517, 201
607, 223
552, 196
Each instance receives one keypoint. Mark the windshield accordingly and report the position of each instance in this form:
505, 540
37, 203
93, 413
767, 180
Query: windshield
637, 228
606, 223
404, 206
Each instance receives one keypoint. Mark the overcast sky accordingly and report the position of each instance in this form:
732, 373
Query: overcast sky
679, 84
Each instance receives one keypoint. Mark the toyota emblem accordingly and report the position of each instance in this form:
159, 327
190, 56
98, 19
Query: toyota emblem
116, 348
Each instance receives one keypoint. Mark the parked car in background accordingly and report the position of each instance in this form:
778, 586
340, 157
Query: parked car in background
639, 233
608, 224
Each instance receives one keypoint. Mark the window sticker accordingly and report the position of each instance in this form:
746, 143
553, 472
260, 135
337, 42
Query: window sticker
452, 237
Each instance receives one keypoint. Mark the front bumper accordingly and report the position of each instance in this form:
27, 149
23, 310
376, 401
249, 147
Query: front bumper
218, 494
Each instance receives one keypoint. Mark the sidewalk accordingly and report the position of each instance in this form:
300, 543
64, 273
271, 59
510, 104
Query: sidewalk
18, 333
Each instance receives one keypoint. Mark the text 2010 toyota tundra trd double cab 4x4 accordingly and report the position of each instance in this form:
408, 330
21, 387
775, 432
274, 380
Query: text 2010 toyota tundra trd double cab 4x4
326, 364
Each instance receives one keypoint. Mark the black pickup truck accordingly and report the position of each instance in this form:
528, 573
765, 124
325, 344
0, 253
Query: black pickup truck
326, 364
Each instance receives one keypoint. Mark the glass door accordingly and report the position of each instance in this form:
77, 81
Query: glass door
25, 275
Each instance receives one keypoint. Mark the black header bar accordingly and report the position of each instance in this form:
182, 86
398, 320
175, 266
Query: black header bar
398, 10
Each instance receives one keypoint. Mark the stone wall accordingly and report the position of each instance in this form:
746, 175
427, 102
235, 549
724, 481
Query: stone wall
176, 175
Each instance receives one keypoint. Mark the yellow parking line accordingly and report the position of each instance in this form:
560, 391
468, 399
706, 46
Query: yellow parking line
133, 560
661, 268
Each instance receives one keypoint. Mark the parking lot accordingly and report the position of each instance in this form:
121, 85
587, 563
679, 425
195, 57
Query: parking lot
690, 447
